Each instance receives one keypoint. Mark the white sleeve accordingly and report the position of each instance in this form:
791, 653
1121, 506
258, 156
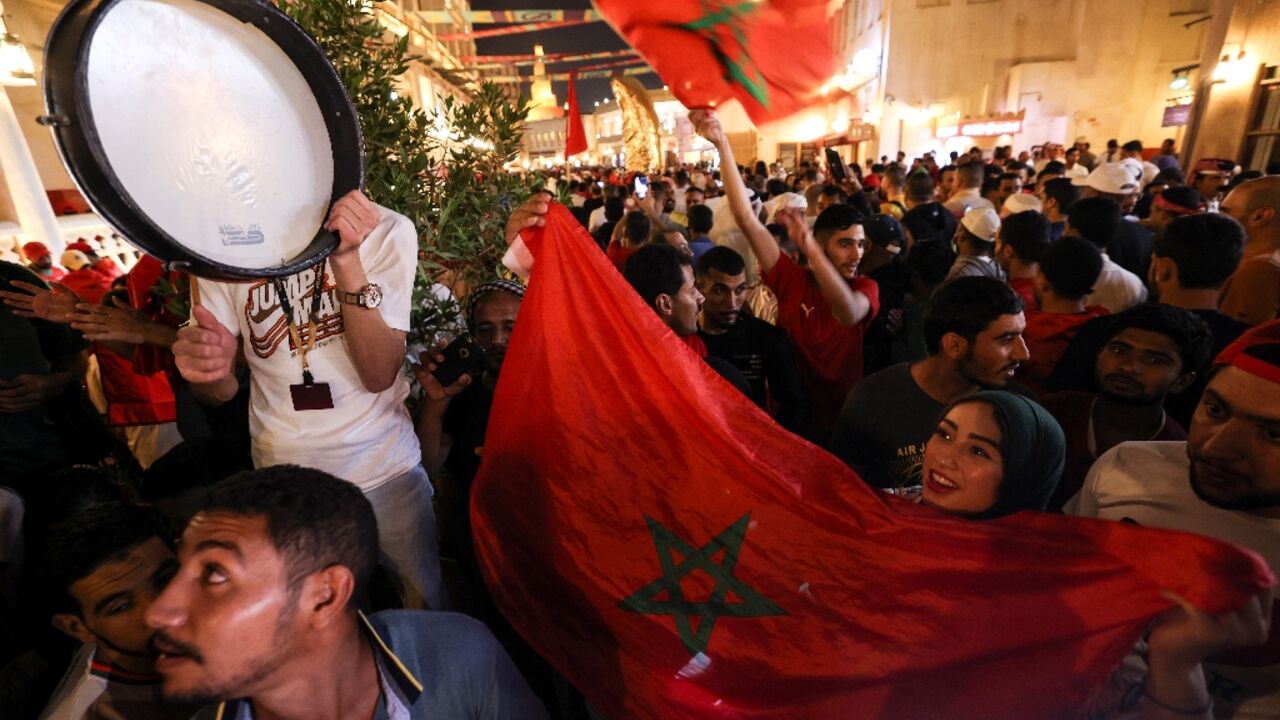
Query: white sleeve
1085, 502
219, 299
391, 262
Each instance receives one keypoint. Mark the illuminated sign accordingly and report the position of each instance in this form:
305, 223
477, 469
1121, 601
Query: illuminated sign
979, 127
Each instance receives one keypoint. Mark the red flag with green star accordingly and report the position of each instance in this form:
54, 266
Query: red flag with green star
676, 554
772, 56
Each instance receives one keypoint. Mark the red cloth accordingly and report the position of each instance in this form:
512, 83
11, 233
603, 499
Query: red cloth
88, 283
1047, 336
132, 398
711, 52
830, 355
575, 135
108, 267
1025, 287
1074, 412
696, 344
618, 254
888, 608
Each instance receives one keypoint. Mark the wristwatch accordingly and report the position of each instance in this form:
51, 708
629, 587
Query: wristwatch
369, 296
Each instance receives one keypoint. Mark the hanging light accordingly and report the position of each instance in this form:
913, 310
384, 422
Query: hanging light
16, 69
1179, 82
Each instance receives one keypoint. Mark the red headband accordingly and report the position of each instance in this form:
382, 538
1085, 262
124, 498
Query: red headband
1174, 208
1268, 333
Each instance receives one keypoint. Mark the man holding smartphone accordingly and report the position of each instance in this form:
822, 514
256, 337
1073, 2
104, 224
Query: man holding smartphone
325, 349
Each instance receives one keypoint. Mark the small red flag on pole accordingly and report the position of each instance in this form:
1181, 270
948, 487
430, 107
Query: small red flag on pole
575, 136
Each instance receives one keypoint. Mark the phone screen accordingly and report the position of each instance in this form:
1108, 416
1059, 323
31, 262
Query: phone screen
642, 186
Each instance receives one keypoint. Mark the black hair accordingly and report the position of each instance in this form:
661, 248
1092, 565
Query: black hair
1053, 167
96, 535
1132, 146
1182, 195
1096, 219
834, 219
701, 219
989, 185
1027, 232
722, 259
835, 191
966, 306
920, 186
314, 519
637, 228
194, 463
1062, 191
811, 175
775, 187
682, 177
931, 260
655, 270
1071, 266
970, 174
895, 174
1206, 247
614, 208
1192, 336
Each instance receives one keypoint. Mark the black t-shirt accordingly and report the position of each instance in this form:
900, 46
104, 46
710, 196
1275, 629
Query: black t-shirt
894, 281
764, 355
883, 428
465, 422
27, 441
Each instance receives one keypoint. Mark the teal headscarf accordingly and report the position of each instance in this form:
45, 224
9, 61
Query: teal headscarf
1034, 452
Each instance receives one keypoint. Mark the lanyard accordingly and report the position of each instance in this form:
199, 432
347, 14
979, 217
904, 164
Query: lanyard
294, 333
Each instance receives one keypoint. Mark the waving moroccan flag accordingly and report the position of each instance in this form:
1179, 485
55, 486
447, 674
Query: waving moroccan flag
772, 55
676, 554
575, 140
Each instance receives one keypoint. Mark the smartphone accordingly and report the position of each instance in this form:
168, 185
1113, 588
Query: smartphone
463, 356
642, 186
837, 165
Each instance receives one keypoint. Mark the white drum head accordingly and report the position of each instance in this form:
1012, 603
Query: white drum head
211, 130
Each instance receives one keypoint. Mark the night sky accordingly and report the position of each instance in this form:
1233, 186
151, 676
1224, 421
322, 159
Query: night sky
591, 37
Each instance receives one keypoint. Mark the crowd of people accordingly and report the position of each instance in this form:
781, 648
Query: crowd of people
218, 501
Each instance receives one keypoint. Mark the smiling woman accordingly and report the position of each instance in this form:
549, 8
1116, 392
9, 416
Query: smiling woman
993, 453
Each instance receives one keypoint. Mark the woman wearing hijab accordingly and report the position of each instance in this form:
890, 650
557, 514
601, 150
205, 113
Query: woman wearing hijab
993, 453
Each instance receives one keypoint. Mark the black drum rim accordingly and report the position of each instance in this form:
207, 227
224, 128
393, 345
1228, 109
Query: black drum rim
75, 135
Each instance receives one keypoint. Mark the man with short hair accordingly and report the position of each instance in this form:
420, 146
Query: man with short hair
1010, 183
1072, 164
1095, 219
701, 220
1087, 158
1020, 241
1170, 203
1131, 157
1064, 277
261, 617
761, 351
1208, 184
1252, 293
926, 218
1147, 353
884, 263
1056, 196
946, 182
976, 245
1190, 262
1130, 243
633, 233
101, 570
973, 329
1223, 483
967, 193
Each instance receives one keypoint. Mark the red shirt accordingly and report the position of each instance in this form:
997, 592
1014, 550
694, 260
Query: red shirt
88, 284
619, 255
1026, 290
1047, 336
830, 355
1074, 412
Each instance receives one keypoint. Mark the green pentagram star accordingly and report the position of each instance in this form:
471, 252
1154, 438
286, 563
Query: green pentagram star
740, 69
752, 603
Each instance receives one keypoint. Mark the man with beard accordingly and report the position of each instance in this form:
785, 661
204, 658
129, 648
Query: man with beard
1223, 482
973, 329
101, 570
261, 616
761, 351
41, 262
1148, 352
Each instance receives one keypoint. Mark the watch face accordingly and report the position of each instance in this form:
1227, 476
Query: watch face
372, 295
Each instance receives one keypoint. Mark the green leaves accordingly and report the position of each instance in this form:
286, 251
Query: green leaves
443, 169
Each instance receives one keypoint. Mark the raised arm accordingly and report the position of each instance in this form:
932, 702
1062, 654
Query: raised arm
762, 242
848, 307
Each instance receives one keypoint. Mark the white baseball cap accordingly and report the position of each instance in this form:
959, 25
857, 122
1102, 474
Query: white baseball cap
1110, 178
982, 222
1020, 202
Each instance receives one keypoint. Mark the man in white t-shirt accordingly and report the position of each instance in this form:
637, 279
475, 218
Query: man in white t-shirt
344, 413
1224, 483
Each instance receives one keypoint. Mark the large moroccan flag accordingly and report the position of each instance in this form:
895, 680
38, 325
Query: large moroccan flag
772, 55
676, 554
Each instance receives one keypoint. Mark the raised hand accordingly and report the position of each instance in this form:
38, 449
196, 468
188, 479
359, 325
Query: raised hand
428, 361
120, 323
531, 213
353, 217
1186, 635
205, 352
793, 219
55, 304
706, 124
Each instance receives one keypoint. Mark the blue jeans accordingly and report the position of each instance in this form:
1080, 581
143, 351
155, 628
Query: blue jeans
407, 544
